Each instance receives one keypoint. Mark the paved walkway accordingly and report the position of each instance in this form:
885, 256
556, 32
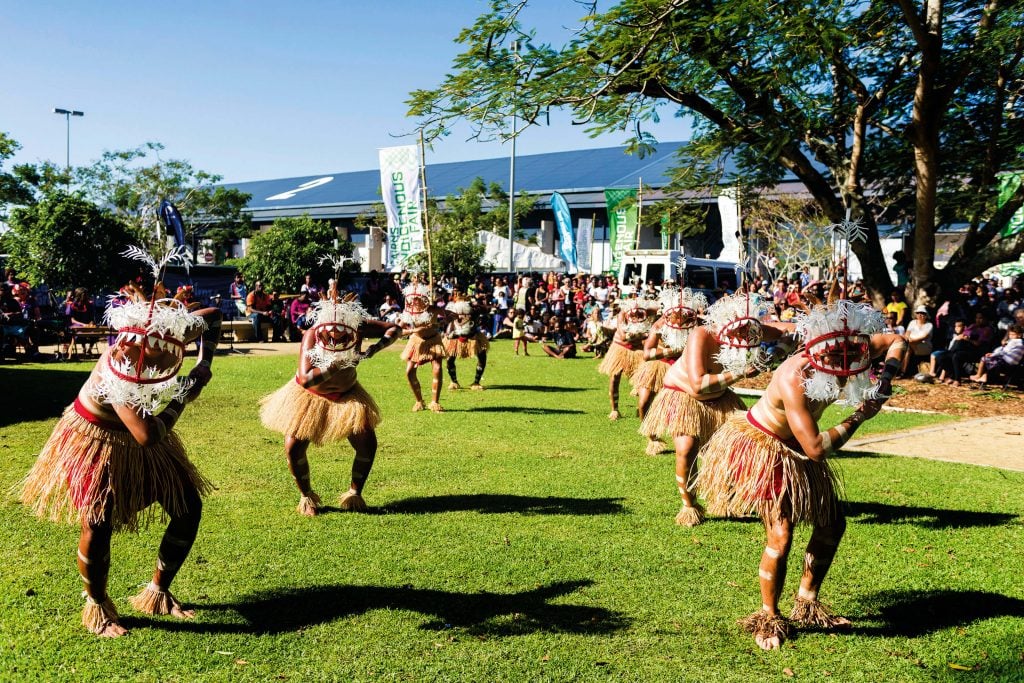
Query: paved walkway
988, 441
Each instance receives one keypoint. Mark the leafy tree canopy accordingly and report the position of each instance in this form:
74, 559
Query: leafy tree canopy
12, 187
892, 109
133, 182
281, 255
66, 241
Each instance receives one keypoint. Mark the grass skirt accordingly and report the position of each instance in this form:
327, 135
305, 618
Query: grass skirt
620, 359
295, 411
422, 350
466, 347
676, 413
650, 375
86, 469
745, 470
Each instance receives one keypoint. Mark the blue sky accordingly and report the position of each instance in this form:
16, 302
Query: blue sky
249, 90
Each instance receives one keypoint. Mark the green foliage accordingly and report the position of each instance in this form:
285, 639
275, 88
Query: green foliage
65, 240
133, 182
894, 111
519, 536
12, 188
281, 255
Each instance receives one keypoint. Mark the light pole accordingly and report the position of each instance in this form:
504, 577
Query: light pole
512, 170
68, 113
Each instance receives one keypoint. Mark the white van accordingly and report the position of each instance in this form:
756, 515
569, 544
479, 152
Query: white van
659, 265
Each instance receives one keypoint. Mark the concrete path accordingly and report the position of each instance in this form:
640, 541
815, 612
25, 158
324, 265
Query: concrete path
989, 441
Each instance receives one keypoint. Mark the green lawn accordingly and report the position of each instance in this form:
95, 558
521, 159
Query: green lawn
518, 536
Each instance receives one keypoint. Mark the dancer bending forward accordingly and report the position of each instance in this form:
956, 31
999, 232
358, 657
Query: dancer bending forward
325, 402
774, 460
114, 452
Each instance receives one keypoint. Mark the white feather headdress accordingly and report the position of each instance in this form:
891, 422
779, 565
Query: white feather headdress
742, 308
327, 314
826, 328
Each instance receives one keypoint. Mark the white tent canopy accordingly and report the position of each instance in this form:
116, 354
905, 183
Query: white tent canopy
526, 258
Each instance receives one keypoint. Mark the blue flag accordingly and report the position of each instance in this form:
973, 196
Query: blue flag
566, 235
171, 219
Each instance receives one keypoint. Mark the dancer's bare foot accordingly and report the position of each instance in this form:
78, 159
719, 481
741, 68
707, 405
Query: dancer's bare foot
769, 630
476, 387
436, 407
813, 614
454, 386
614, 415
112, 629
102, 618
654, 447
417, 406
180, 612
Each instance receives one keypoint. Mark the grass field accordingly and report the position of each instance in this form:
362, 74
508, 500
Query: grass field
518, 536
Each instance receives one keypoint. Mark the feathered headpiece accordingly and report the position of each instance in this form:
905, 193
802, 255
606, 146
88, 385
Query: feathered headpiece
638, 316
735, 322
837, 345
335, 325
681, 311
143, 363
416, 311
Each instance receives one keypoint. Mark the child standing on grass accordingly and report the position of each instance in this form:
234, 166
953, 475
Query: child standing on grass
519, 332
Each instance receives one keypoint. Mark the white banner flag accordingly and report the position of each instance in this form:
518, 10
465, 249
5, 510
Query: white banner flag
400, 187
584, 240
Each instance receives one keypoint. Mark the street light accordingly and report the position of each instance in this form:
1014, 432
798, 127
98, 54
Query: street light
512, 170
68, 113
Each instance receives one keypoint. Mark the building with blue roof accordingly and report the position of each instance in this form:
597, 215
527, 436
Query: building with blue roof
580, 176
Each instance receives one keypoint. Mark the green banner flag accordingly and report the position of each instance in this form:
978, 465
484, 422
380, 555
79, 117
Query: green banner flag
621, 224
1008, 184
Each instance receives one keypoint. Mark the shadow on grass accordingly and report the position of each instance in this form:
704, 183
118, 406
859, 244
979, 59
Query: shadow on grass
498, 503
484, 613
526, 410
916, 613
545, 388
22, 401
930, 518
857, 455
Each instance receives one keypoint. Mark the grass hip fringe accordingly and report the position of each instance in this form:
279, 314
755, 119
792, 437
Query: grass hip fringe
620, 360
465, 347
676, 413
420, 350
650, 375
96, 616
310, 417
85, 470
743, 471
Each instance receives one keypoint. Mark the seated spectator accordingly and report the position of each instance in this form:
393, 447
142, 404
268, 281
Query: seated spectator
258, 307
389, 309
898, 306
297, 315
279, 320
79, 312
564, 341
919, 336
892, 325
239, 293
1004, 359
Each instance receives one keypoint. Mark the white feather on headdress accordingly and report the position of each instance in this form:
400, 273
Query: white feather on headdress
729, 310
859, 321
143, 398
632, 328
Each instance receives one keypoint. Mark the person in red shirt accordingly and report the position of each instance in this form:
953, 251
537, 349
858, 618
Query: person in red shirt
257, 307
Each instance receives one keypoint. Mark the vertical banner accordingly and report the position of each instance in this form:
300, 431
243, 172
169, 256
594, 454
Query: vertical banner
622, 223
566, 237
1008, 184
664, 231
400, 187
729, 209
584, 241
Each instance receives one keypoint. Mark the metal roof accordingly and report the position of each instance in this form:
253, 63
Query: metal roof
575, 172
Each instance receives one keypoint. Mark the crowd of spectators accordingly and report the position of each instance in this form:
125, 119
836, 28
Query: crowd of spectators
975, 335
